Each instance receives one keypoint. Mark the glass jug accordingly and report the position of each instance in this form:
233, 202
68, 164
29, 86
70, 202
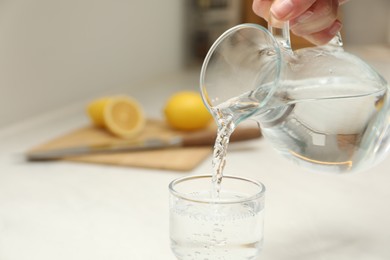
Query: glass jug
321, 107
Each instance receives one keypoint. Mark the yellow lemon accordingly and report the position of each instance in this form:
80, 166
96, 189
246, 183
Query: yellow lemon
120, 115
186, 111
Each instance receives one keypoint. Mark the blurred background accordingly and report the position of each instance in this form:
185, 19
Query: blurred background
55, 53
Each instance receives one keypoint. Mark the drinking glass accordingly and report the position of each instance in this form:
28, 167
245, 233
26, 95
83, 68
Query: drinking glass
227, 225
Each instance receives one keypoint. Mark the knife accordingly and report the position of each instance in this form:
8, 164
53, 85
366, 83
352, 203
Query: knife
204, 138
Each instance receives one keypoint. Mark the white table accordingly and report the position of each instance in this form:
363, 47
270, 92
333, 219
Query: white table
64, 210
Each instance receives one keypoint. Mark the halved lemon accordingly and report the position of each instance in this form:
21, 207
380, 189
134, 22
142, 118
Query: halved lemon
120, 115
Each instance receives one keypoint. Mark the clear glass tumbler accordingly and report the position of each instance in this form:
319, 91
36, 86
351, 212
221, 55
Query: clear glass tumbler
229, 226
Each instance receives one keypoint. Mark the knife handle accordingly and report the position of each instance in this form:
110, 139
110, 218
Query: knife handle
206, 138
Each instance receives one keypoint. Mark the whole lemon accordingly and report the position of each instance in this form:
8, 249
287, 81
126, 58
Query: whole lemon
185, 111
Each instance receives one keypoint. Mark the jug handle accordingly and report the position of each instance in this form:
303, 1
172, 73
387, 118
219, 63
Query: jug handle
282, 36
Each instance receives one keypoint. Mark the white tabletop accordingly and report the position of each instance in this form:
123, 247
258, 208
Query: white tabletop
64, 210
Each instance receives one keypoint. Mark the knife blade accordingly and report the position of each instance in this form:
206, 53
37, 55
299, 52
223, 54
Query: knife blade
203, 138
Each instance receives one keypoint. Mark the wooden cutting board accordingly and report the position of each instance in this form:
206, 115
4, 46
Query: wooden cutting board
178, 159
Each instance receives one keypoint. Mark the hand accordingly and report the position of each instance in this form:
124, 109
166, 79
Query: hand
315, 20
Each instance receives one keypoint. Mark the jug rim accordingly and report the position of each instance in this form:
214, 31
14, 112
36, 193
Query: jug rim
274, 45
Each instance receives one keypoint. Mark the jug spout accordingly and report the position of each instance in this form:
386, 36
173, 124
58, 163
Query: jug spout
242, 59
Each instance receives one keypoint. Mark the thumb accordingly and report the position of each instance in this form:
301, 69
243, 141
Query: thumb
262, 8
287, 9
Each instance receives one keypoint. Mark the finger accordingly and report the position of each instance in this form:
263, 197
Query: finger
324, 36
319, 17
289, 9
343, 1
262, 8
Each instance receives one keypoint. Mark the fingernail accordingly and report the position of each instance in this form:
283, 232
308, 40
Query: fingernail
304, 17
275, 22
335, 28
280, 9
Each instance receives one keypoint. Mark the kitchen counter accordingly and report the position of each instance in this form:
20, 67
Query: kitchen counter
64, 210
